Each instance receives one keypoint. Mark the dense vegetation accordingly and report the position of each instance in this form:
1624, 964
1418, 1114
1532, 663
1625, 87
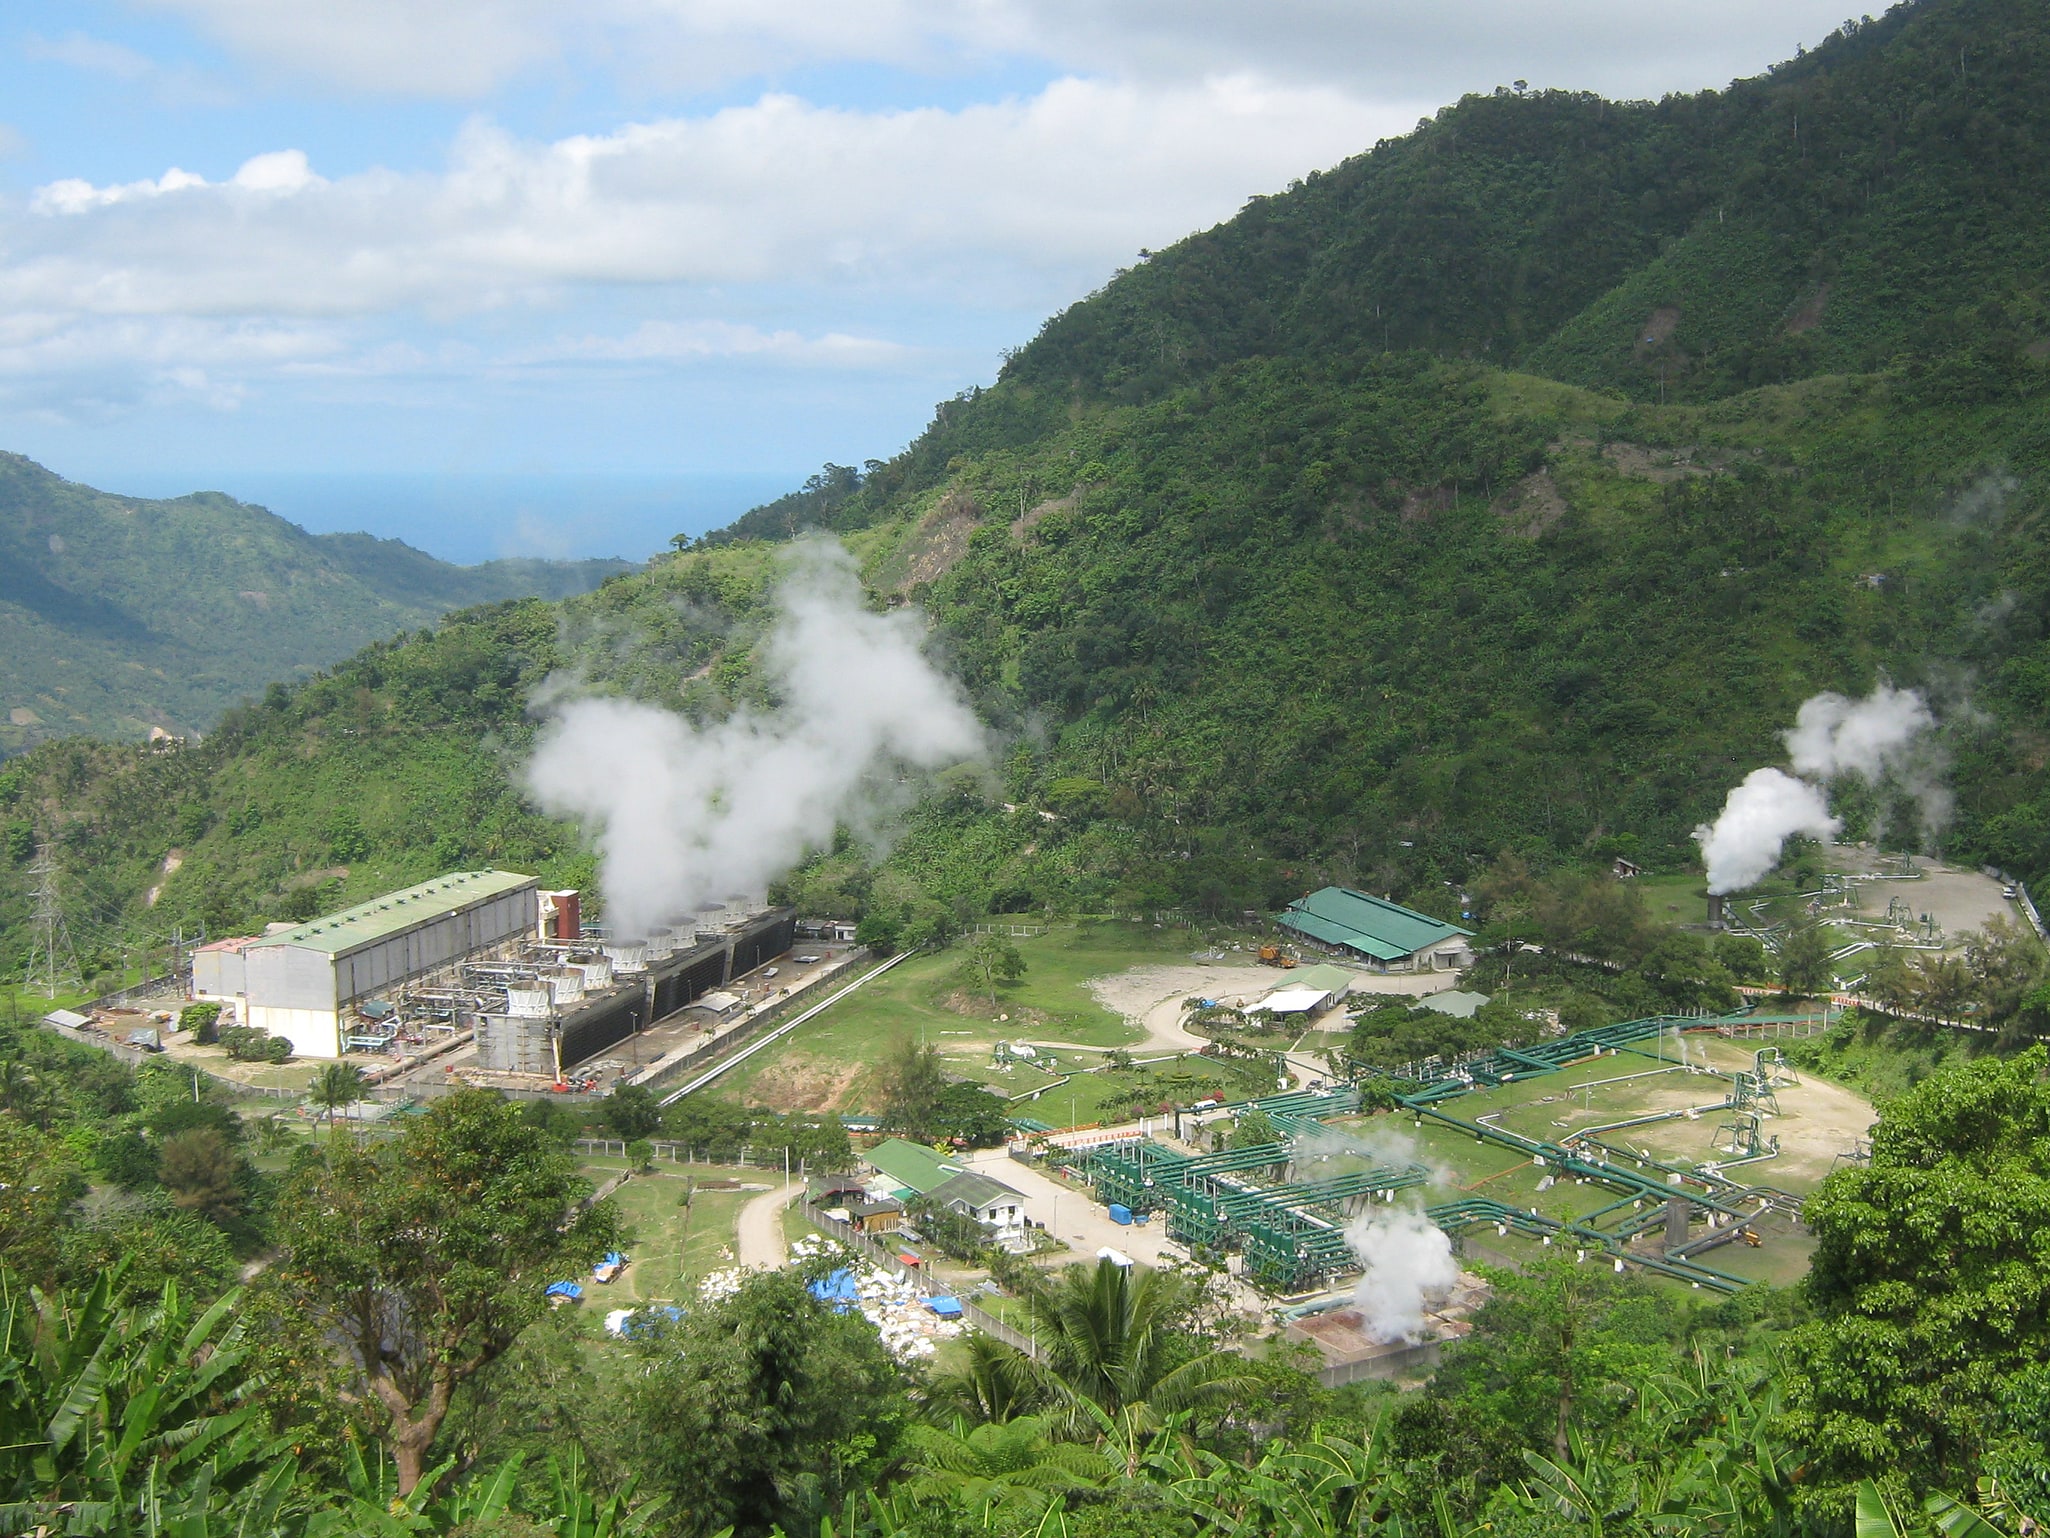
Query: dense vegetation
1261, 589
118, 614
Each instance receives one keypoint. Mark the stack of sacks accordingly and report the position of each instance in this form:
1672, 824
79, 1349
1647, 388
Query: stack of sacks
893, 1305
721, 1284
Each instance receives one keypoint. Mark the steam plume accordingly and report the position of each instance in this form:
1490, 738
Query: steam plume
1408, 1259
688, 814
1869, 737
1759, 816
1882, 737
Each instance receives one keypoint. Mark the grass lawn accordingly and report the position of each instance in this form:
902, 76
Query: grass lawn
671, 1246
1550, 1106
829, 1062
1674, 899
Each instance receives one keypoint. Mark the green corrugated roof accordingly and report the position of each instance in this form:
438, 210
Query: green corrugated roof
912, 1165
972, 1187
1338, 934
1338, 915
394, 911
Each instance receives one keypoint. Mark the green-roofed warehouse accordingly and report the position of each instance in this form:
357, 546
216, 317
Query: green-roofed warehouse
1385, 935
297, 983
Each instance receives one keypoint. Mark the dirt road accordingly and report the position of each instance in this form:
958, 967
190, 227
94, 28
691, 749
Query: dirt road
1150, 998
758, 1236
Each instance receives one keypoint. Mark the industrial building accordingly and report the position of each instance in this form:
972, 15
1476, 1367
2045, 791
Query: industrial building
560, 1005
304, 981
1309, 991
1383, 934
481, 951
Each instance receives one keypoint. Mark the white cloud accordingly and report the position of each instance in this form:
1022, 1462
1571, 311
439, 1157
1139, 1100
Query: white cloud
92, 54
178, 85
67, 368
463, 49
660, 341
777, 191
278, 171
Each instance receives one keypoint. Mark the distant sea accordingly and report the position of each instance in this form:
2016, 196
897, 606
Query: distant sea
470, 518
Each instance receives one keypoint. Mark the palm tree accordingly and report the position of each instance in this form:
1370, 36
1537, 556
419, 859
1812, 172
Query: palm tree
995, 1384
1117, 1357
335, 1086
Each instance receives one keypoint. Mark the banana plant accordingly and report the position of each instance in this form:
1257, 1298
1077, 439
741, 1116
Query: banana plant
1589, 1487
119, 1419
1944, 1515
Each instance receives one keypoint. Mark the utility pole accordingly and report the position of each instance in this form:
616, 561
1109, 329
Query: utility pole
52, 937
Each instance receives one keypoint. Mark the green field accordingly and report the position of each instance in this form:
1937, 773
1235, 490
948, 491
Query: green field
828, 1063
1816, 1121
670, 1246
1680, 899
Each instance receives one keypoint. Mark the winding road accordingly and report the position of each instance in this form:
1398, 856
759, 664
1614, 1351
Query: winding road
758, 1235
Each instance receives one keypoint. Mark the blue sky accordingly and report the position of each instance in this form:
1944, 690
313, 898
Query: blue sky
717, 241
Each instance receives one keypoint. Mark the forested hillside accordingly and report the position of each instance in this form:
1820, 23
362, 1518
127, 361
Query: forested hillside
1258, 588
118, 614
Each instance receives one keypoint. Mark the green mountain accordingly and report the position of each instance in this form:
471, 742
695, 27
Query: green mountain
120, 614
1506, 488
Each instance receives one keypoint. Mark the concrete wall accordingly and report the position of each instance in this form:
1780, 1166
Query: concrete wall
291, 977
312, 1032
219, 975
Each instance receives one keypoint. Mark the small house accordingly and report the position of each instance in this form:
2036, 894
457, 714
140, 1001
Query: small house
981, 1197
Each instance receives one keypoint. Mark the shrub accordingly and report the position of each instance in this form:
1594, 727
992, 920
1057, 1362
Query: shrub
203, 1020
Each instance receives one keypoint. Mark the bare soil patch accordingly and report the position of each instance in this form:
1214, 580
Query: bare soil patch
940, 541
1809, 316
1535, 505
810, 1085
1150, 998
1022, 529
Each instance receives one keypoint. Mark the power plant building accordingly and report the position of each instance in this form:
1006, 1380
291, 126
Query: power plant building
547, 1022
302, 983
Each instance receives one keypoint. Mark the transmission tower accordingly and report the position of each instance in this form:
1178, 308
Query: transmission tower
52, 948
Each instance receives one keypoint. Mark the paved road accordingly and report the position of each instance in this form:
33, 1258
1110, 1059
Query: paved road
1072, 1215
758, 1237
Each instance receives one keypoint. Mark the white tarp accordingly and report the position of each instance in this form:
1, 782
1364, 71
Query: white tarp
1290, 1001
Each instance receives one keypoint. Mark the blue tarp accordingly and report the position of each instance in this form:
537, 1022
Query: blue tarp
653, 1315
564, 1290
837, 1289
945, 1307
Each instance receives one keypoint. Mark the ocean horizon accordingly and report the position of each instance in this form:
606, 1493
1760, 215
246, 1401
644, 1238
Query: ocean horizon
467, 518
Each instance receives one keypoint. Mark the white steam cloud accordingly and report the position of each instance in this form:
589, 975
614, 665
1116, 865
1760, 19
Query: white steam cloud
1408, 1262
686, 814
1883, 737
1759, 816
1869, 737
